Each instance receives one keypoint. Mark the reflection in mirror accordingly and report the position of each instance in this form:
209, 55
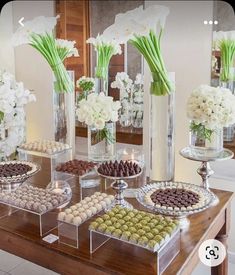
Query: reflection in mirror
223, 63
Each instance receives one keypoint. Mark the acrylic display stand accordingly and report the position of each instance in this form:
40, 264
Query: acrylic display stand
165, 253
55, 159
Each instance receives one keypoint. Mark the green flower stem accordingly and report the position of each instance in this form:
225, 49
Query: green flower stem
201, 131
104, 54
1, 116
149, 47
46, 45
227, 50
105, 134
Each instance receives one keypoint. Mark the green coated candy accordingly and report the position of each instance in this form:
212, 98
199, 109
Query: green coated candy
127, 218
93, 225
121, 222
129, 224
134, 220
117, 233
132, 229
141, 232
144, 222
138, 226
158, 238
111, 214
142, 241
124, 227
151, 244
105, 217
115, 210
146, 218
109, 230
138, 216
118, 216
155, 231
151, 225
113, 219
149, 235
134, 237
126, 235
159, 227
108, 222
117, 225
168, 229
122, 212
164, 234
102, 227
146, 228
131, 214
99, 220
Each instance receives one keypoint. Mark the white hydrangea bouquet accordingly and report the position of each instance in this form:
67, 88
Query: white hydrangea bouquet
143, 29
13, 98
210, 109
105, 49
38, 33
225, 42
96, 111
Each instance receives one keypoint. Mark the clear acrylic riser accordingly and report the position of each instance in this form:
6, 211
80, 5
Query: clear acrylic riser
164, 254
55, 159
41, 223
70, 234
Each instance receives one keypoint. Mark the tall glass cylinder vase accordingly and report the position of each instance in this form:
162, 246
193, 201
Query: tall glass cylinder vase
162, 132
64, 116
101, 80
102, 143
227, 80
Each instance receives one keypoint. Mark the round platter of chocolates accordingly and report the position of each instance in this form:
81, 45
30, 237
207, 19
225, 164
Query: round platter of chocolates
176, 199
13, 173
119, 171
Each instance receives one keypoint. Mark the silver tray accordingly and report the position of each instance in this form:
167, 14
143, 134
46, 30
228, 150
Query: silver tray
140, 196
20, 178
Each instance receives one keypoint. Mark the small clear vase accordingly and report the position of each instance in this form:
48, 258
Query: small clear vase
138, 108
101, 80
125, 111
102, 143
204, 147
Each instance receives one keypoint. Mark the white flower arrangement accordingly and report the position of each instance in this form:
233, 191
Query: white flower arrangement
143, 29
209, 109
98, 109
105, 49
225, 42
39, 34
13, 98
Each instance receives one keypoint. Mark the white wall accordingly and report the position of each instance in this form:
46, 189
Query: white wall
186, 47
7, 58
33, 70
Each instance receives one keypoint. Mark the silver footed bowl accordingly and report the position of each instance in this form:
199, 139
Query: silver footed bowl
206, 198
7, 180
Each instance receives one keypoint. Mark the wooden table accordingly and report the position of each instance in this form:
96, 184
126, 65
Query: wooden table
17, 236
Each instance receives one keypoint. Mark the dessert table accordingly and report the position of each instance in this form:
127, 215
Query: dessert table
19, 237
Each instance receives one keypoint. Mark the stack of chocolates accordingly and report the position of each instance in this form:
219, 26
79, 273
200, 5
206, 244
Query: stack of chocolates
119, 169
45, 146
34, 199
15, 169
86, 208
144, 229
76, 167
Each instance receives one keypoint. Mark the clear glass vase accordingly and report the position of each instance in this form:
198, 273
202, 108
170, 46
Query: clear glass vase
162, 134
64, 116
227, 80
126, 107
204, 147
101, 80
102, 143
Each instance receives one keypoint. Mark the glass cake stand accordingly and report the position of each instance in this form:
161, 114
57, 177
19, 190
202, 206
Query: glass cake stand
205, 170
119, 185
8, 184
180, 215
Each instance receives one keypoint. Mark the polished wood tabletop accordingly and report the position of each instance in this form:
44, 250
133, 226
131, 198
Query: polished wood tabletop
19, 236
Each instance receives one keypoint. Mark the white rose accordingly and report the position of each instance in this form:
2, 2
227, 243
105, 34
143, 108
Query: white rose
99, 123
